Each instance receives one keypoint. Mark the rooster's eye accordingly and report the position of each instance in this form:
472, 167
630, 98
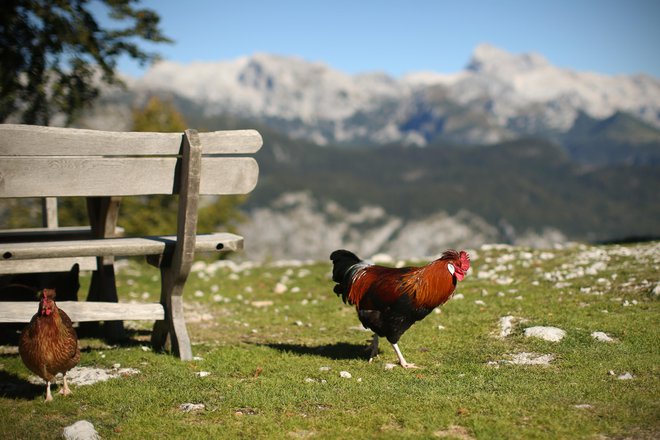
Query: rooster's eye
451, 268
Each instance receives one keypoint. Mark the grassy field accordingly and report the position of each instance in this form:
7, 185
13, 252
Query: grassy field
271, 343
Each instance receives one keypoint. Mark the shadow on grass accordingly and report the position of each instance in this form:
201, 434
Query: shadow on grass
337, 351
13, 387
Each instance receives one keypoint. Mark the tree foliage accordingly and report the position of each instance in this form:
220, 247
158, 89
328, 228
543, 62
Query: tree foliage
155, 215
55, 55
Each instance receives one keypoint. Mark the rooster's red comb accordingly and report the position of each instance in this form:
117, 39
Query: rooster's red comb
464, 258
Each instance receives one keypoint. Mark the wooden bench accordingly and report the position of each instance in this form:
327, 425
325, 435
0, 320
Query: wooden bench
49, 162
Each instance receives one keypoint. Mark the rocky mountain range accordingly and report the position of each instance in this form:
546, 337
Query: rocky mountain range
498, 96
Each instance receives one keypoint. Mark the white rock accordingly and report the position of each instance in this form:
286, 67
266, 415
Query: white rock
390, 366
480, 302
601, 336
81, 430
459, 296
324, 369
625, 376
202, 373
280, 288
506, 326
259, 304
345, 374
552, 334
187, 407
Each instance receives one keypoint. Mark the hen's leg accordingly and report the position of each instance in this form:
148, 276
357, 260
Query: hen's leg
49, 396
65, 389
402, 361
373, 348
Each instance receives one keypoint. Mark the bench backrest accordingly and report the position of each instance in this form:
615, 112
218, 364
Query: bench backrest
53, 162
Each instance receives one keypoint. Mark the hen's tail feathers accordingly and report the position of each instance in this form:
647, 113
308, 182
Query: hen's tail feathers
343, 269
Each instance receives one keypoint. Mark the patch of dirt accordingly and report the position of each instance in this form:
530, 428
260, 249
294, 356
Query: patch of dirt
454, 431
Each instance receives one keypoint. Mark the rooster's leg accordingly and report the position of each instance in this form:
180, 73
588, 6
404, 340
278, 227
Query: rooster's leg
402, 361
65, 389
49, 396
373, 348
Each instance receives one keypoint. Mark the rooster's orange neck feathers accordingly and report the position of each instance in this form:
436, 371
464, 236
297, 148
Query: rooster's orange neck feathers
430, 285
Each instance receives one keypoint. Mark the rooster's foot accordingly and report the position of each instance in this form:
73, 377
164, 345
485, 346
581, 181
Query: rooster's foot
411, 366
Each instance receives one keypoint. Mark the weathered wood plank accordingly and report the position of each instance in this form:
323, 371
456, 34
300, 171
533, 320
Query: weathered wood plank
76, 176
22, 311
45, 234
46, 265
29, 140
116, 247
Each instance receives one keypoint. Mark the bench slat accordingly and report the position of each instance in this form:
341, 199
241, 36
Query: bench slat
28, 140
96, 176
22, 311
46, 265
115, 247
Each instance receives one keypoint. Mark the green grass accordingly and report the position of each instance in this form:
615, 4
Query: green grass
265, 360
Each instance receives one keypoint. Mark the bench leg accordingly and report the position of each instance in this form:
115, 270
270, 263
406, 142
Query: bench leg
104, 288
173, 328
103, 213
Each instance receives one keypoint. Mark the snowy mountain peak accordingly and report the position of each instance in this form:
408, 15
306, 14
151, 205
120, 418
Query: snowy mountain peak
493, 60
498, 96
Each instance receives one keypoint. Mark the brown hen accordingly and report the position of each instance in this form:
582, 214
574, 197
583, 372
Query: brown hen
49, 344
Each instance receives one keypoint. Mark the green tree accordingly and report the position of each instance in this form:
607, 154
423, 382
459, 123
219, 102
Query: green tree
55, 56
156, 215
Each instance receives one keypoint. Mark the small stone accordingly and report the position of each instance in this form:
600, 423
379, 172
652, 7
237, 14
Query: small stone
390, 366
345, 374
552, 334
81, 430
280, 288
202, 373
656, 290
625, 376
188, 407
601, 336
259, 304
506, 326
324, 369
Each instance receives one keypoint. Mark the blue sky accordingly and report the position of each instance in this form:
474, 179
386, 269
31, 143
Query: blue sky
397, 37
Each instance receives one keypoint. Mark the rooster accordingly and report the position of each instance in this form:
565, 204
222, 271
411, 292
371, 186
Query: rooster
390, 300
49, 344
